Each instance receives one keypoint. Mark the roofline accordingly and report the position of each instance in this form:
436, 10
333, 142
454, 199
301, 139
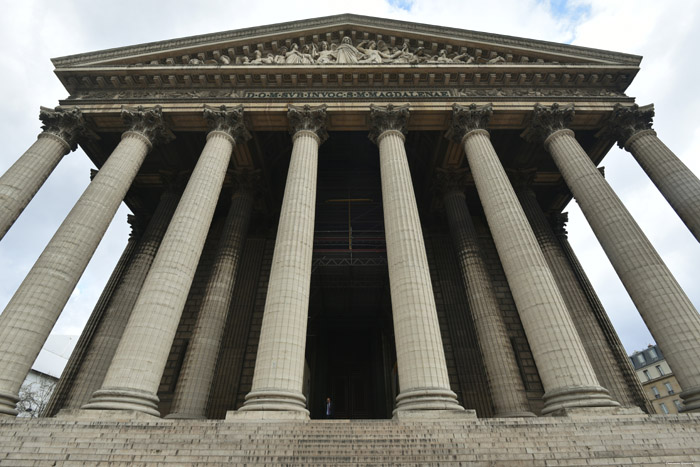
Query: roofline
349, 18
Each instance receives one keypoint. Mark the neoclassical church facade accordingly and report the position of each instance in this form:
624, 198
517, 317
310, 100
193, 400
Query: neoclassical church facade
348, 207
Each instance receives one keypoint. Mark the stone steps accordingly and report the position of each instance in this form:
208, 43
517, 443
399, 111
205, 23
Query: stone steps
540, 441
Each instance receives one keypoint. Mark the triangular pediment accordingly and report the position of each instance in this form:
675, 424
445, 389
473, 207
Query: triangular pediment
425, 44
345, 52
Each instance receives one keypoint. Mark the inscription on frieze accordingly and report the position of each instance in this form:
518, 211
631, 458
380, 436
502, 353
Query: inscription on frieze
349, 94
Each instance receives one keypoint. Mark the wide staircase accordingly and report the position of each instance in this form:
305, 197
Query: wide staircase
580, 440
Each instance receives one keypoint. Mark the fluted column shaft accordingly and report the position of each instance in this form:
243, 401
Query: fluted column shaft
279, 365
197, 373
582, 315
634, 386
679, 185
665, 308
64, 386
505, 383
33, 310
104, 344
24, 178
133, 377
423, 378
22, 181
566, 372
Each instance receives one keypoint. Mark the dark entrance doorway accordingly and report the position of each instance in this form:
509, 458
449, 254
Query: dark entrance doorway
351, 365
350, 346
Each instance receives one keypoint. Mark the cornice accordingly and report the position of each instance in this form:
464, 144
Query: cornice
348, 21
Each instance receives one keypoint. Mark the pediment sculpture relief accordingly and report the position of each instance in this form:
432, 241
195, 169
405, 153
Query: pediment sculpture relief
346, 52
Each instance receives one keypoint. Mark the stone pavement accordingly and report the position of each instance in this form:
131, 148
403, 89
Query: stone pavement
575, 440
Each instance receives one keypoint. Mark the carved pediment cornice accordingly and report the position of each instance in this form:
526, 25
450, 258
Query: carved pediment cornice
236, 43
465, 80
347, 51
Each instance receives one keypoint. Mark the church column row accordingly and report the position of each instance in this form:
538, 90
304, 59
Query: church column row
134, 374
566, 373
133, 377
32, 312
670, 316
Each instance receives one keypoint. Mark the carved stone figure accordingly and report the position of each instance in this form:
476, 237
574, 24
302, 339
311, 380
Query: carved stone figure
403, 54
306, 55
346, 52
281, 57
258, 60
325, 55
294, 57
371, 54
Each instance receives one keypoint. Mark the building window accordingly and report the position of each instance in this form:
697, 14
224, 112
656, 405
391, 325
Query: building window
640, 358
656, 392
678, 405
663, 408
646, 373
660, 370
652, 353
669, 388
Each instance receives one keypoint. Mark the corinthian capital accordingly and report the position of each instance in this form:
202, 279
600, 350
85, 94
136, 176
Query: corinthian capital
387, 118
450, 180
67, 124
229, 121
627, 121
147, 122
307, 118
248, 180
466, 119
522, 180
547, 120
558, 222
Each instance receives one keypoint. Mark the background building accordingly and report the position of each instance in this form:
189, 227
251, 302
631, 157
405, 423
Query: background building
660, 386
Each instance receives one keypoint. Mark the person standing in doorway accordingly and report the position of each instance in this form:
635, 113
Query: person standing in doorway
328, 409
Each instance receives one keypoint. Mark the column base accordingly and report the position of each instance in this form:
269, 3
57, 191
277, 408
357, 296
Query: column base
275, 401
691, 400
427, 399
124, 399
8, 404
576, 397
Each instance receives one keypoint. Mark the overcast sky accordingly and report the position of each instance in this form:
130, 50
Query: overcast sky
664, 33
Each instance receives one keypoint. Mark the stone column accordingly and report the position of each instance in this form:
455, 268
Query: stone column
634, 390
681, 187
104, 344
197, 373
279, 365
33, 310
424, 384
505, 383
133, 377
62, 128
64, 386
566, 373
582, 315
665, 308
